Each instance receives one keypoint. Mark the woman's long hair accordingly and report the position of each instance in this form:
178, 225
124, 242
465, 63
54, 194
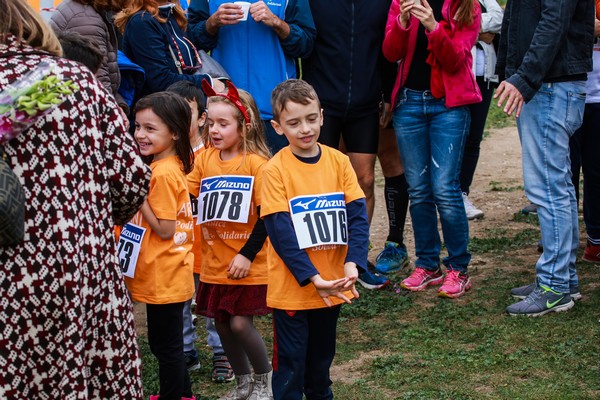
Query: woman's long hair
18, 18
465, 12
150, 6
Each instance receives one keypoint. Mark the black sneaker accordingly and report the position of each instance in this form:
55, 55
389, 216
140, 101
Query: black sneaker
191, 360
529, 209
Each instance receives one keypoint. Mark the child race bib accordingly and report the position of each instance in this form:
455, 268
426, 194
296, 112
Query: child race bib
225, 198
130, 243
319, 219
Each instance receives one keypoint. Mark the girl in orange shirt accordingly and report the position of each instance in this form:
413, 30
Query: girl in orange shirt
226, 179
162, 277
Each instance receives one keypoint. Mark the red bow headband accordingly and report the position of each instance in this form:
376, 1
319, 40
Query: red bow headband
231, 95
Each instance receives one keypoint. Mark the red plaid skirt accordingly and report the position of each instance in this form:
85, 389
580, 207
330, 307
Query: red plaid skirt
222, 301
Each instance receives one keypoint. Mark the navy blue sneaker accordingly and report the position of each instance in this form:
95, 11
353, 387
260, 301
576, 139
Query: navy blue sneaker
372, 280
392, 258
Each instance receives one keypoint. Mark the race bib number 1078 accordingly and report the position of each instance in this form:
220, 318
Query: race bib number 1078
319, 219
225, 198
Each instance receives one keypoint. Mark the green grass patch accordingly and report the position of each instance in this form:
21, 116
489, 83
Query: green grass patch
497, 118
500, 244
497, 187
528, 218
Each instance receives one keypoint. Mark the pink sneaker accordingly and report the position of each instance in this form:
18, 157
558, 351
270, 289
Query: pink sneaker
455, 284
421, 278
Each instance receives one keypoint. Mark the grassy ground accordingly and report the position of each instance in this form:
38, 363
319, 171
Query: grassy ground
398, 345
415, 346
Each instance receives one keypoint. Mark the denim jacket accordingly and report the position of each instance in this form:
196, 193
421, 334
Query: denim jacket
545, 40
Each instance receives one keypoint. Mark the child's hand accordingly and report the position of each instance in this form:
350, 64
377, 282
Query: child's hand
330, 288
239, 267
351, 272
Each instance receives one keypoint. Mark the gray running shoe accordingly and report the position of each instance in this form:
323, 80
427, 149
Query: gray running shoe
523, 291
529, 209
541, 301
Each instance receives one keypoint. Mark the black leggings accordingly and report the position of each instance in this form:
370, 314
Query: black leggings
584, 146
165, 336
479, 112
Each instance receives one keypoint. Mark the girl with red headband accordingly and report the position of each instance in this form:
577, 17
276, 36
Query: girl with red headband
227, 179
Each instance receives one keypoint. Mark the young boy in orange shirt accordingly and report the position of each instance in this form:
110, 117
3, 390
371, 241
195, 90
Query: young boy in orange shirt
316, 218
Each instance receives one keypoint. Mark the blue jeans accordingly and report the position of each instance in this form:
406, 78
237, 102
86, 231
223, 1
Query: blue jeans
431, 139
189, 330
545, 126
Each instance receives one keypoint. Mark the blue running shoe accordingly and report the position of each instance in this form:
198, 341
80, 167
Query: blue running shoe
372, 280
392, 258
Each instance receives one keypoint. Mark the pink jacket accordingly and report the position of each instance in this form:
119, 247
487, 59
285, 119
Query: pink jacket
450, 53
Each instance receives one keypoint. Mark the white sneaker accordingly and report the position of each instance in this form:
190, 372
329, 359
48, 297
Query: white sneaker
472, 211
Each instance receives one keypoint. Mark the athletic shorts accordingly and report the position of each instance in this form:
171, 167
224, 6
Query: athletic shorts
360, 134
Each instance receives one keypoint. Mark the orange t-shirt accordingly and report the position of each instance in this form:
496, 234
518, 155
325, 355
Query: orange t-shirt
285, 178
197, 247
223, 239
163, 272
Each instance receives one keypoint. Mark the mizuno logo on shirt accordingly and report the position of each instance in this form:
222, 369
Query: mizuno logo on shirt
208, 185
304, 205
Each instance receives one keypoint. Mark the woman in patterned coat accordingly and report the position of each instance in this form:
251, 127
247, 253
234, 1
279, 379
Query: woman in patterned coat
66, 322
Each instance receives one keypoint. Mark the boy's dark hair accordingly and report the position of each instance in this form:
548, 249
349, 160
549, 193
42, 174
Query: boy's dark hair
190, 92
79, 48
294, 90
175, 112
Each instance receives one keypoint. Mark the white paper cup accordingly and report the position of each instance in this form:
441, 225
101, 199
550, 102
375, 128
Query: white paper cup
245, 7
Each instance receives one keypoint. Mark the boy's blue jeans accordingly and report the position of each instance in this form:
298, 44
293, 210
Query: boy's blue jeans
189, 330
431, 139
545, 125
304, 347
